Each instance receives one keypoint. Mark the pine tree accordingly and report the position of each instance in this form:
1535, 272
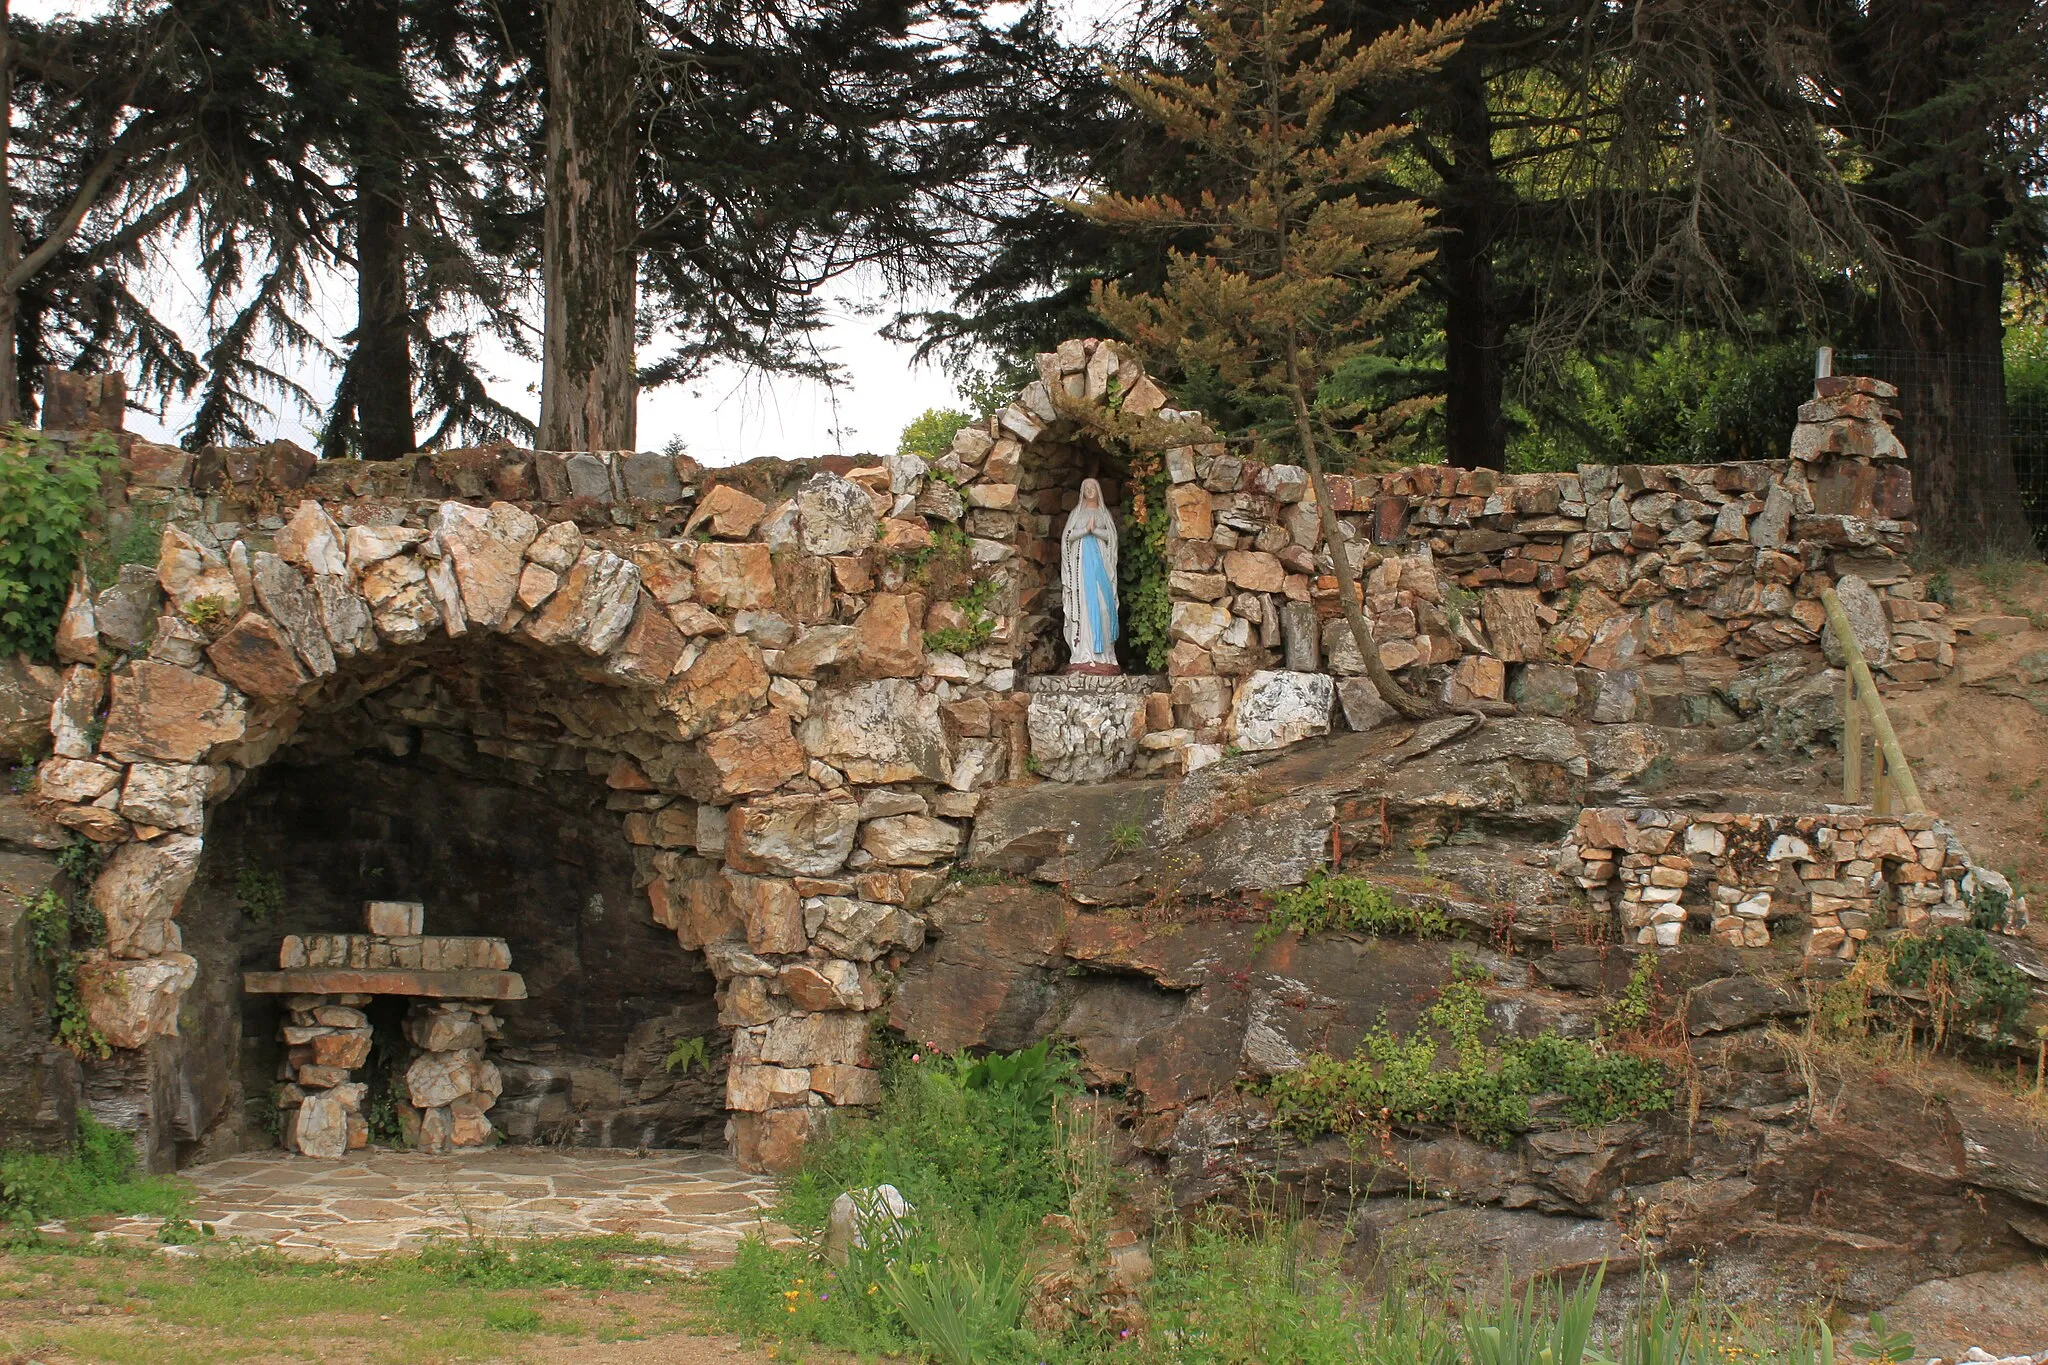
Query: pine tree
1297, 272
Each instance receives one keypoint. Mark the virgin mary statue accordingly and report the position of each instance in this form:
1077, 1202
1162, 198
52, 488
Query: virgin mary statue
1088, 583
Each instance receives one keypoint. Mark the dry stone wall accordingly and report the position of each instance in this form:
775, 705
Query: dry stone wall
1843, 874
796, 681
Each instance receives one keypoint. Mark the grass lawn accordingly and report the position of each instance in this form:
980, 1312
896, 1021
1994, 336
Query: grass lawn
595, 1300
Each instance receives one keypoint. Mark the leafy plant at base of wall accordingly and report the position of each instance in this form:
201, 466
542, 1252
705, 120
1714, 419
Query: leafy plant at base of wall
1146, 602
686, 1053
259, 892
1483, 1093
1631, 1009
1963, 975
60, 930
48, 500
1987, 908
1327, 902
97, 1175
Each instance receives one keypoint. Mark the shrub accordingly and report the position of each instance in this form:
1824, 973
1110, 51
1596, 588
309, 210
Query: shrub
1963, 975
48, 499
96, 1176
1327, 902
1481, 1089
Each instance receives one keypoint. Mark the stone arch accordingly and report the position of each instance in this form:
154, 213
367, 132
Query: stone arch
655, 655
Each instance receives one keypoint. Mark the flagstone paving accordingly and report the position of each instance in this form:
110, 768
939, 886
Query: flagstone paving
371, 1203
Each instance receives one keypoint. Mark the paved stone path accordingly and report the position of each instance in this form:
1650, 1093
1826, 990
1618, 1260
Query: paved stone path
371, 1203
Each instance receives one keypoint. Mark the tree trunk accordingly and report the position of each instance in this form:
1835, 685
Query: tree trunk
1468, 214
11, 406
588, 392
383, 360
1941, 200
1406, 703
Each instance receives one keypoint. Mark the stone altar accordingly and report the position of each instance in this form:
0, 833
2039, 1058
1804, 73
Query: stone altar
329, 978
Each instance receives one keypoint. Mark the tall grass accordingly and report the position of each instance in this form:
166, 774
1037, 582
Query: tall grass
985, 1150
97, 1176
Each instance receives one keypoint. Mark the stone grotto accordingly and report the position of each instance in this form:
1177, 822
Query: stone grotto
668, 788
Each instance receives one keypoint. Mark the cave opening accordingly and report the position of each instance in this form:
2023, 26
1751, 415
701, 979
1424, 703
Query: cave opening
465, 788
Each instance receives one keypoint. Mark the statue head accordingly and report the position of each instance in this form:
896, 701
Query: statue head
1091, 493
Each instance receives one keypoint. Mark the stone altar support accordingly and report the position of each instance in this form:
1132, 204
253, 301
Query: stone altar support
1088, 584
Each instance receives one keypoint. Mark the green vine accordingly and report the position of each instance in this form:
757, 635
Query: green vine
980, 627
49, 501
259, 892
61, 930
1963, 975
1142, 566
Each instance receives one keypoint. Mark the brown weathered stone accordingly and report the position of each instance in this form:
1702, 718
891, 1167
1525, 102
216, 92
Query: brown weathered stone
169, 714
258, 657
651, 649
824, 985
592, 609
196, 578
488, 552
348, 1050
751, 1089
727, 683
139, 892
1512, 627
78, 634
27, 692
730, 513
877, 732
811, 1039
845, 1085
910, 840
771, 1141
75, 780
437, 1078
441, 985
135, 1001
168, 796
289, 601
735, 577
807, 836
312, 541
1254, 571
401, 602
770, 911
887, 641
754, 756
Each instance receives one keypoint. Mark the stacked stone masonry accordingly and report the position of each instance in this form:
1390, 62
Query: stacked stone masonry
795, 762
448, 1085
1835, 878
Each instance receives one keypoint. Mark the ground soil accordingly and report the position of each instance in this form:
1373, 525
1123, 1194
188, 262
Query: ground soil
1978, 741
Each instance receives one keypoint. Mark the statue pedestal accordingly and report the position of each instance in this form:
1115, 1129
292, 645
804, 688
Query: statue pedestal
1085, 726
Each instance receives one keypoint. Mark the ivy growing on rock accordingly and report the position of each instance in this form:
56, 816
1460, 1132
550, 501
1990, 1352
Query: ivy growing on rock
48, 501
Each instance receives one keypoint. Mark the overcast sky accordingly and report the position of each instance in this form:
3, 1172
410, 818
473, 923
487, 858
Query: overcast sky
725, 417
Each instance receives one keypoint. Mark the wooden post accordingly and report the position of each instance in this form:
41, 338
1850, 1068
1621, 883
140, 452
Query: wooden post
1881, 787
1891, 758
1852, 742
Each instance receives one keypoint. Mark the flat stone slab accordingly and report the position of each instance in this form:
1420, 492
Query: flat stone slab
376, 1202
350, 981
1094, 684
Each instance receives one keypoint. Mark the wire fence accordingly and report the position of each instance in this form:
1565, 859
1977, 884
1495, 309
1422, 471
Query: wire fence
2018, 405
